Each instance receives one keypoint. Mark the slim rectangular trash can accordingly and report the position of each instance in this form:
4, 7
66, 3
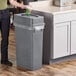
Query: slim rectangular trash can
29, 40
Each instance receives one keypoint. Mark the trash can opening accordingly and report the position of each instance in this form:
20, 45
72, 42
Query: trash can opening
24, 14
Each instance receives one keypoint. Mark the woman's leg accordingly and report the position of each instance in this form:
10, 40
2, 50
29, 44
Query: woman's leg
5, 26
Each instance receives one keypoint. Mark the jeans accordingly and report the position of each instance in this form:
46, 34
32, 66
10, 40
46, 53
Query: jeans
4, 27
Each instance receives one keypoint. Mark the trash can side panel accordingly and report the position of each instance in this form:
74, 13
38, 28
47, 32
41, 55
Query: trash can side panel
38, 20
37, 49
24, 47
22, 20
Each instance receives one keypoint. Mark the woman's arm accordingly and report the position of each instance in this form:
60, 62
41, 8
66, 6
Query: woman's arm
17, 4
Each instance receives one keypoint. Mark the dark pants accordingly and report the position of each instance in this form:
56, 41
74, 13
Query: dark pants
4, 27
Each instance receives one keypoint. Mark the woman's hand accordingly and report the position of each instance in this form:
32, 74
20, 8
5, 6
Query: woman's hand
27, 7
22, 6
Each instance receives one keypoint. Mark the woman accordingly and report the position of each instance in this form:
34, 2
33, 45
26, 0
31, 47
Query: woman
5, 26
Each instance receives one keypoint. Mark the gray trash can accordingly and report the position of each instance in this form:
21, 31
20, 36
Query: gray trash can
29, 40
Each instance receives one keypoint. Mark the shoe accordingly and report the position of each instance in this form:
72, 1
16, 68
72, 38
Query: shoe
8, 63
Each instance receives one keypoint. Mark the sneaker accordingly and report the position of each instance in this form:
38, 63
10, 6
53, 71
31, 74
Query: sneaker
8, 63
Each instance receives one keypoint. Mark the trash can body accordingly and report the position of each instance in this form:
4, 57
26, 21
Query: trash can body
29, 41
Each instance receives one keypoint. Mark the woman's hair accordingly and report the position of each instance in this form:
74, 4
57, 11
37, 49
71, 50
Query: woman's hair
16, 0
8, 2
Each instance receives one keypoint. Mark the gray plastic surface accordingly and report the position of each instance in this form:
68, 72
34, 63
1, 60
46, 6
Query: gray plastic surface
29, 43
32, 20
